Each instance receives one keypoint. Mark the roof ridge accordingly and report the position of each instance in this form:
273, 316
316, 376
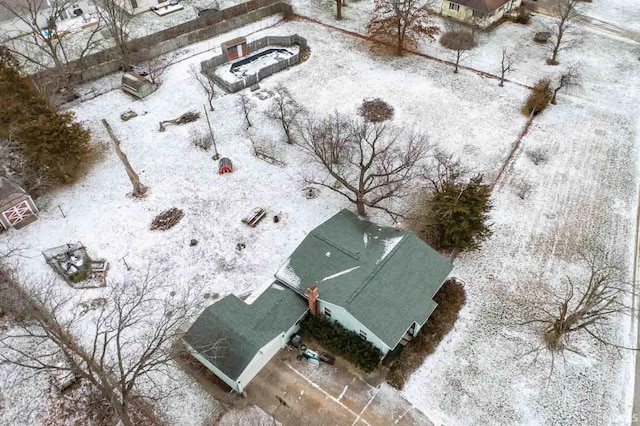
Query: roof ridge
376, 270
334, 245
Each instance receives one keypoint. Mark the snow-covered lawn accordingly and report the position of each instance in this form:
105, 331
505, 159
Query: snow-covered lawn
623, 13
476, 376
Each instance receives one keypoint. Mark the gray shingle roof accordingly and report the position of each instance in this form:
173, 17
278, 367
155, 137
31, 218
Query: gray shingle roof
383, 277
242, 329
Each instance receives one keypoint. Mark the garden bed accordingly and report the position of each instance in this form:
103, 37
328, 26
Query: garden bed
450, 300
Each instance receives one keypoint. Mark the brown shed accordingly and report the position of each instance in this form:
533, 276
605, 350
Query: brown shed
235, 48
17, 209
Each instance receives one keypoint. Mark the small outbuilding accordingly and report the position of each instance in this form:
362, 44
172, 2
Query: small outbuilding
225, 166
17, 209
137, 85
235, 48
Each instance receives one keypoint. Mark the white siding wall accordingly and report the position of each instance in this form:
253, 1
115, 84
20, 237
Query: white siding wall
213, 368
265, 355
466, 14
351, 323
261, 359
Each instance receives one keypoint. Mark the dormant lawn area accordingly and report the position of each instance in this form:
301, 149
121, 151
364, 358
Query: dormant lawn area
478, 375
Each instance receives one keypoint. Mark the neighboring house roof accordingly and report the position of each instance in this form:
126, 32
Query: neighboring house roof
383, 277
481, 5
8, 190
230, 332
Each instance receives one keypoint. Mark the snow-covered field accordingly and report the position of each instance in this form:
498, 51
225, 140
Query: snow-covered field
476, 376
623, 13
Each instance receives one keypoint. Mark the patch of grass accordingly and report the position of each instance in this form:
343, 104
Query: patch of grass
450, 300
79, 276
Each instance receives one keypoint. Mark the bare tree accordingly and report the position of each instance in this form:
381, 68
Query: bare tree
402, 23
128, 338
45, 45
507, 63
286, 110
590, 300
138, 188
460, 39
570, 79
247, 106
117, 21
563, 29
372, 163
339, 4
216, 155
206, 83
153, 63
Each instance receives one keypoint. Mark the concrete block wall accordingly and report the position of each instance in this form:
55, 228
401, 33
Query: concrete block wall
145, 48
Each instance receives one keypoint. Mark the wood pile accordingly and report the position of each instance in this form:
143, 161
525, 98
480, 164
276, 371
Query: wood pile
187, 117
167, 219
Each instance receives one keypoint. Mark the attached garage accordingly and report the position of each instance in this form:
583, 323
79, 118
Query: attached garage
235, 340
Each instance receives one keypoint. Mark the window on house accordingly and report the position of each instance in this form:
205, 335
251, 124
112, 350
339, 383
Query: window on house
363, 335
477, 14
454, 6
327, 312
134, 4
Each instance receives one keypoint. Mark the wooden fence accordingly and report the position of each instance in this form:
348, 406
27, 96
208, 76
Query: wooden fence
209, 66
148, 47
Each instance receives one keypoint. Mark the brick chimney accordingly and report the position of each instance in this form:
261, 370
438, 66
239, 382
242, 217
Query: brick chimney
312, 295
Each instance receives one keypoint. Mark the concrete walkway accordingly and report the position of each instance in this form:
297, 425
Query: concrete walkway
297, 393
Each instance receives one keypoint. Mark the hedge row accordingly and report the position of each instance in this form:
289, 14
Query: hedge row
342, 342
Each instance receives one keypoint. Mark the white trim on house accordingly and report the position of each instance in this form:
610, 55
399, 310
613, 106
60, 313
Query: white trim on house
212, 367
471, 16
257, 363
348, 321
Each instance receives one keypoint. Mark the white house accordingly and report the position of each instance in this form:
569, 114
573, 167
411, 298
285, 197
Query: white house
482, 13
375, 281
135, 7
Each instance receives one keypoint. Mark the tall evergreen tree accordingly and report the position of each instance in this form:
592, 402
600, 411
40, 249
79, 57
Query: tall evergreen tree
455, 212
50, 140
459, 211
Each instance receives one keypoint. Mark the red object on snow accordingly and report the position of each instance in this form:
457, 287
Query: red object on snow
225, 166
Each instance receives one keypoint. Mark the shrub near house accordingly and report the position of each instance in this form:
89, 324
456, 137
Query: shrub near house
341, 341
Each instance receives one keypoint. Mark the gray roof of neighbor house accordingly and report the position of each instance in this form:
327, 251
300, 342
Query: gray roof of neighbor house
481, 5
8, 189
383, 277
240, 329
